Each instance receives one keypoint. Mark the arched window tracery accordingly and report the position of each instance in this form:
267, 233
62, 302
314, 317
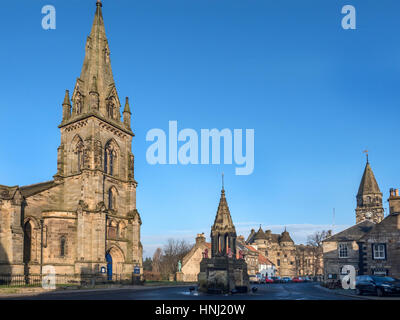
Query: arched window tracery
78, 155
111, 153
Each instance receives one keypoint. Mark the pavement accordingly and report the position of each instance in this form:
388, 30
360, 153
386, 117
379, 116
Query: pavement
288, 291
352, 293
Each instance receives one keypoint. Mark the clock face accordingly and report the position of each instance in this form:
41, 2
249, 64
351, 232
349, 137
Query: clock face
368, 215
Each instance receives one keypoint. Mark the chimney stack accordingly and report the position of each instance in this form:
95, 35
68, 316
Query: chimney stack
201, 238
394, 201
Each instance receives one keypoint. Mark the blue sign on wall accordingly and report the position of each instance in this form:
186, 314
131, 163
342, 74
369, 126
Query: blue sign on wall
136, 270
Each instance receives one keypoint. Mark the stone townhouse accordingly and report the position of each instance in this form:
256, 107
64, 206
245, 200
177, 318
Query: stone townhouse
85, 220
380, 247
191, 262
309, 260
343, 249
365, 245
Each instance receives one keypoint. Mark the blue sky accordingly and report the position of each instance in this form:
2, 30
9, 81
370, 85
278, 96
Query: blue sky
315, 94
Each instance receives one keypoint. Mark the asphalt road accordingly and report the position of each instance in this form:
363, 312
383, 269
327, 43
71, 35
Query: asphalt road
290, 291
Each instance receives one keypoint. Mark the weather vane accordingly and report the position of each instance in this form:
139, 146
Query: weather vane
366, 152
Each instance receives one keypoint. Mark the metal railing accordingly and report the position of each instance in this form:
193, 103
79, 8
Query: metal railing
35, 280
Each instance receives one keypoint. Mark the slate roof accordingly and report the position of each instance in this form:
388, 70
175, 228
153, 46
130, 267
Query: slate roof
353, 233
28, 191
387, 225
285, 237
260, 235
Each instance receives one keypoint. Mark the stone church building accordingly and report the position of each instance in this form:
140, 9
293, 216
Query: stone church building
84, 220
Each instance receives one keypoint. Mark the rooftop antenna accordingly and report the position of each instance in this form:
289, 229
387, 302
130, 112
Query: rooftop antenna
333, 221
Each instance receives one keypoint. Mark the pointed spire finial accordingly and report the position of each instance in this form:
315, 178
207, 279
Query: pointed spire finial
99, 3
66, 98
223, 187
127, 107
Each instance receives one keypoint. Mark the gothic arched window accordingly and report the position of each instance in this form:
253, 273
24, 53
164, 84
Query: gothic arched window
62, 246
105, 161
111, 158
27, 242
112, 198
111, 108
79, 160
78, 154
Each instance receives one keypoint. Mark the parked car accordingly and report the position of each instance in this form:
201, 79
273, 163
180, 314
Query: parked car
269, 280
297, 279
380, 286
286, 279
276, 279
254, 279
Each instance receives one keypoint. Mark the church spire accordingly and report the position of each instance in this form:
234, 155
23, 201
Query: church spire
96, 76
369, 198
368, 183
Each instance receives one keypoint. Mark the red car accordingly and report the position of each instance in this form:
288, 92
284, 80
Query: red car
297, 279
267, 280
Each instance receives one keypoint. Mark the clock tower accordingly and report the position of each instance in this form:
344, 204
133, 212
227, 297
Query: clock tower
369, 198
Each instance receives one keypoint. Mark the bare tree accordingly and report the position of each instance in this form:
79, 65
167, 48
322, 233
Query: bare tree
315, 242
156, 263
173, 251
316, 239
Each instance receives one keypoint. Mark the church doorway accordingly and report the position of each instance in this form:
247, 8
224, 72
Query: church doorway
109, 266
115, 260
